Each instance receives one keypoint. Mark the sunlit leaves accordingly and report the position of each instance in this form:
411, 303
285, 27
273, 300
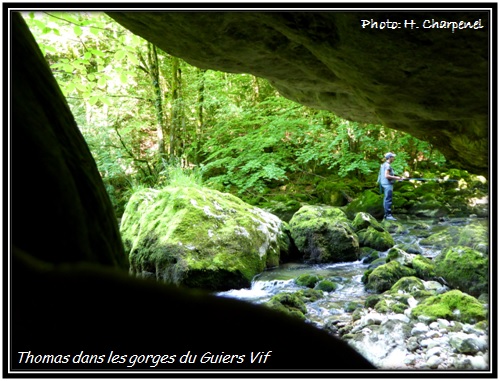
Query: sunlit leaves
78, 31
120, 54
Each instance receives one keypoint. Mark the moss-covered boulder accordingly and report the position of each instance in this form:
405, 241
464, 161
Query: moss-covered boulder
401, 256
309, 295
326, 285
294, 304
424, 267
288, 303
369, 202
384, 277
307, 280
387, 305
364, 220
200, 238
408, 285
463, 268
379, 240
452, 305
324, 235
372, 300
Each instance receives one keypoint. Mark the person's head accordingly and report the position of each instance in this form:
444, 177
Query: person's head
390, 157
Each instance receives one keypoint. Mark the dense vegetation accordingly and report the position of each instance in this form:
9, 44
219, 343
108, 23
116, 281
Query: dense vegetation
148, 116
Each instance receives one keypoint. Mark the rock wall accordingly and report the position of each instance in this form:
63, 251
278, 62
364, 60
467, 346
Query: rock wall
429, 82
60, 209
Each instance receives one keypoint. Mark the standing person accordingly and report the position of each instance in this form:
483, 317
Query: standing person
386, 180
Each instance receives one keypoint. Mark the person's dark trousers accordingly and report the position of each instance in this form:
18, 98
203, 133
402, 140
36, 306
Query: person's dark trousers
388, 199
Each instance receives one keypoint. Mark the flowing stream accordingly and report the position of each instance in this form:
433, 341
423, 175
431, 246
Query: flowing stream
338, 305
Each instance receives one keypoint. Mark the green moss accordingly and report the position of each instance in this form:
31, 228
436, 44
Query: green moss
326, 285
309, 295
409, 285
324, 235
464, 268
482, 325
351, 306
423, 294
179, 233
382, 307
372, 300
410, 248
393, 227
453, 305
402, 298
368, 255
365, 220
398, 308
290, 304
424, 267
378, 240
307, 280
332, 192
368, 202
393, 254
356, 315
366, 275
383, 277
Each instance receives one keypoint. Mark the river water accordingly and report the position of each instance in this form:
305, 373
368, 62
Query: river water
337, 306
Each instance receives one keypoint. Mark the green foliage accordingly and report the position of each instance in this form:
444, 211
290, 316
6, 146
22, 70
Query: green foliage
177, 176
236, 129
252, 149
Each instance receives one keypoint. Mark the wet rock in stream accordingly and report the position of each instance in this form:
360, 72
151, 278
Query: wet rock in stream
419, 319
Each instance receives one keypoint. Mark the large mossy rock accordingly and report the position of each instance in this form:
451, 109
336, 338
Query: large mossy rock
463, 268
199, 237
371, 233
369, 202
288, 303
384, 277
375, 239
364, 220
452, 305
324, 235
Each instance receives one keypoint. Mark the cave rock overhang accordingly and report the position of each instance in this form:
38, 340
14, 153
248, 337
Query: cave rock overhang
430, 82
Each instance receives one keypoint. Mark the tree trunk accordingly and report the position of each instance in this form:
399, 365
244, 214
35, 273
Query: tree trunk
154, 74
175, 125
199, 114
